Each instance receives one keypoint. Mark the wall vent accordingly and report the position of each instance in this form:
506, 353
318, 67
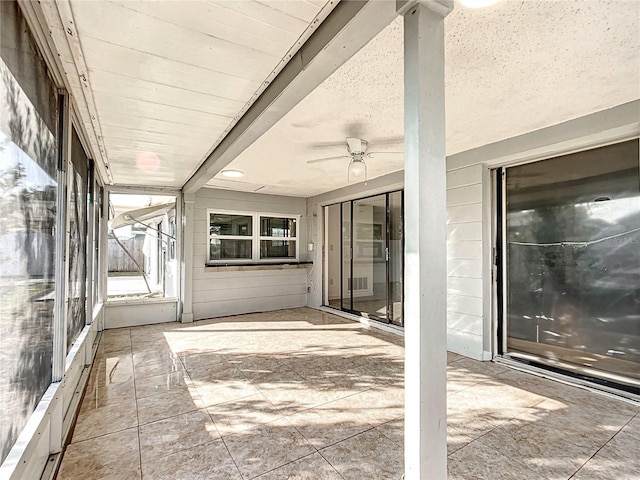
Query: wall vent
358, 283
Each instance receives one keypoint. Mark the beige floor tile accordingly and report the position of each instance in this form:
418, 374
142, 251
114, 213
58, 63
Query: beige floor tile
114, 457
330, 423
164, 383
266, 447
95, 422
551, 451
339, 386
185, 431
210, 461
620, 458
312, 467
216, 392
114, 344
165, 405
368, 455
243, 414
97, 395
478, 461
294, 398
111, 369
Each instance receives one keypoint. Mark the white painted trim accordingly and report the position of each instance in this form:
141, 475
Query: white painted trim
255, 237
571, 381
139, 314
581, 142
139, 301
53, 417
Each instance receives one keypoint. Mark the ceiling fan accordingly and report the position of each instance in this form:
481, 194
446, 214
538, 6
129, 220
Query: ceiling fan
357, 152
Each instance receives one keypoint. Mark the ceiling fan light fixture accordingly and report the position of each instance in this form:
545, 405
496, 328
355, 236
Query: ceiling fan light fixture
357, 167
232, 173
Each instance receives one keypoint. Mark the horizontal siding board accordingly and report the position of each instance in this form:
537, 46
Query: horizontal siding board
199, 273
164, 39
242, 294
464, 323
464, 305
464, 231
464, 213
247, 282
465, 250
464, 195
144, 90
464, 268
471, 287
464, 176
233, 307
152, 68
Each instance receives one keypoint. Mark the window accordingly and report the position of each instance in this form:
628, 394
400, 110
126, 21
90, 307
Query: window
235, 237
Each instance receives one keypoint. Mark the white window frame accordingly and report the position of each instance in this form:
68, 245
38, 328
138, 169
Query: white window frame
255, 237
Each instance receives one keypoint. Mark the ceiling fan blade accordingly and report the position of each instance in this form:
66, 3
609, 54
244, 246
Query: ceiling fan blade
378, 154
318, 160
355, 144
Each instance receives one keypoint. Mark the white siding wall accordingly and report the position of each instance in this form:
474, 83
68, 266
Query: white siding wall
464, 259
233, 291
465, 307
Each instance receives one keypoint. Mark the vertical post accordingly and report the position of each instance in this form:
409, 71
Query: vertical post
60, 312
186, 292
103, 255
90, 241
425, 438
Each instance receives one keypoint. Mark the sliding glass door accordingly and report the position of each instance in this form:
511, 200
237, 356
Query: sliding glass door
572, 263
364, 257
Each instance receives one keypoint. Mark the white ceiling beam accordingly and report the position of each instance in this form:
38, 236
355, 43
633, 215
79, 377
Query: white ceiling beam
350, 26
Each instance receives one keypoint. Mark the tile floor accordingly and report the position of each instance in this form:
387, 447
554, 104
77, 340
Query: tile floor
301, 394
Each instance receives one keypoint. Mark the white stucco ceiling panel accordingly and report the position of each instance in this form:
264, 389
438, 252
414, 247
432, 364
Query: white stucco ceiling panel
510, 69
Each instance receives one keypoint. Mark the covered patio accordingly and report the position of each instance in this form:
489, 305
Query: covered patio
304, 394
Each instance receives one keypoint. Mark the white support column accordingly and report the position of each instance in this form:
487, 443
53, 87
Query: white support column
62, 244
425, 281
187, 259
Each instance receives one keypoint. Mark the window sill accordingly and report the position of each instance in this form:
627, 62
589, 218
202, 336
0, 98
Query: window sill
243, 267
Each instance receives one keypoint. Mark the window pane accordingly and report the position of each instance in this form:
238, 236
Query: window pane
277, 227
28, 192
77, 241
228, 249
222, 224
277, 249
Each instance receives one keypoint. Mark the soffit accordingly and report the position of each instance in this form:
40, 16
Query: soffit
510, 69
168, 79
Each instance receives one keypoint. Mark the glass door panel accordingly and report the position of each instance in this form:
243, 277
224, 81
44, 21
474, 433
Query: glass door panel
396, 259
346, 256
369, 278
333, 242
573, 261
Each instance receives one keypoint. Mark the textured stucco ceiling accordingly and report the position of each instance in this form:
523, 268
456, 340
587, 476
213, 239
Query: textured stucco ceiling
510, 69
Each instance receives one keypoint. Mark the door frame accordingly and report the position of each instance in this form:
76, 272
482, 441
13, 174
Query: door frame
387, 253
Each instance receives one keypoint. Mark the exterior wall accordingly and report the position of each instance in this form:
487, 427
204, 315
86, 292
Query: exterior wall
465, 269
470, 327
220, 291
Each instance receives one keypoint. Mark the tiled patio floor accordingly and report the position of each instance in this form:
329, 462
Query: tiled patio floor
301, 394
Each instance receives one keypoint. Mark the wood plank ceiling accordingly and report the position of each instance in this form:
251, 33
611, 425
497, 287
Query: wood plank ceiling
168, 79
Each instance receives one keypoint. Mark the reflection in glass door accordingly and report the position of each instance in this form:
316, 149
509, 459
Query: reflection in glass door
396, 258
364, 257
572, 251
368, 283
